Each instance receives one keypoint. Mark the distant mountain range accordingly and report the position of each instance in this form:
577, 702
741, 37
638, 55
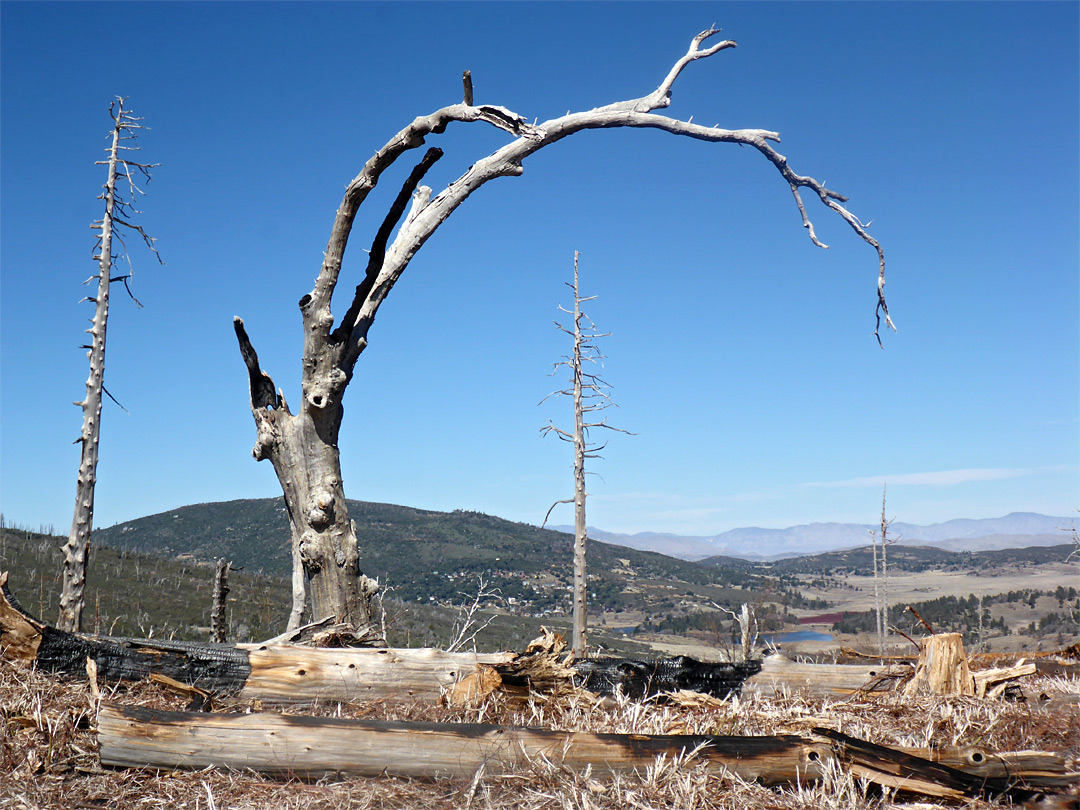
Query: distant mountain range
431, 556
1015, 530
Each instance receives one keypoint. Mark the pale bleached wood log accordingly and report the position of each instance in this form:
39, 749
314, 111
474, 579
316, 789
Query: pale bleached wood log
312, 747
993, 682
296, 674
837, 680
992, 764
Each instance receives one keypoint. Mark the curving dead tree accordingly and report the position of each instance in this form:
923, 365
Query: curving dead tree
302, 445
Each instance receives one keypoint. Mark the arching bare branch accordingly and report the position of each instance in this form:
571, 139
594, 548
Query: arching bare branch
303, 447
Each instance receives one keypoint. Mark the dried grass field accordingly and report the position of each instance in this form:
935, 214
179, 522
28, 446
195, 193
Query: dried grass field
48, 750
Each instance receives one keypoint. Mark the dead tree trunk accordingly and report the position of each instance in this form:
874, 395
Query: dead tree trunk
218, 615
589, 394
877, 597
302, 446
118, 210
884, 630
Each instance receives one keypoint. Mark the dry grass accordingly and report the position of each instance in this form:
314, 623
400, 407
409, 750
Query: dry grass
48, 751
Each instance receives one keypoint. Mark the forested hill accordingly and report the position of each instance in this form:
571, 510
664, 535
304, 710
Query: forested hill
418, 552
860, 561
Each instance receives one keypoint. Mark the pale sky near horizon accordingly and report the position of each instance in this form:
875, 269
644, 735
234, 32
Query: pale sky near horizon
741, 355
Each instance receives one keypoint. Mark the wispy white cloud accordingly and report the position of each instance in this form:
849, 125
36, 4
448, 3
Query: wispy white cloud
941, 478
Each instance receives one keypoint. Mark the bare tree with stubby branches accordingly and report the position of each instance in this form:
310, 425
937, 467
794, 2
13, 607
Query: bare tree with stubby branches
302, 444
121, 190
589, 392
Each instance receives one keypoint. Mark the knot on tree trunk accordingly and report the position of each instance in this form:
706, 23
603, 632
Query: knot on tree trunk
320, 513
267, 436
309, 544
327, 389
369, 587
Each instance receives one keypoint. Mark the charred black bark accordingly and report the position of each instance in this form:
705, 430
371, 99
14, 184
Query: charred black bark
219, 668
640, 679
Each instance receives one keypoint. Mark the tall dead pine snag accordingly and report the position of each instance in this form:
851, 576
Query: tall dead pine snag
302, 445
881, 582
589, 392
119, 210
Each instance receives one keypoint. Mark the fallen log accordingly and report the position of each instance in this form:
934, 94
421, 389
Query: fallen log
907, 771
638, 679
291, 673
286, 673
780, 674
313, 747
1052, 663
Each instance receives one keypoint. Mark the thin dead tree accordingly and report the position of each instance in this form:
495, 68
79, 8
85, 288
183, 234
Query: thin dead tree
590, 395
303, 445
746, 621
878, 612
119, 213
219, 622
883, 611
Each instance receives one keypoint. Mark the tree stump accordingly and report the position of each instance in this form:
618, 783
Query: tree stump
942, 668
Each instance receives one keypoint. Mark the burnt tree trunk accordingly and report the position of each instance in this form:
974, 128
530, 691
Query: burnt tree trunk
219, 619
77, 547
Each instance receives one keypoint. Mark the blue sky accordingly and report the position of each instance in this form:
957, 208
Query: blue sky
741, 355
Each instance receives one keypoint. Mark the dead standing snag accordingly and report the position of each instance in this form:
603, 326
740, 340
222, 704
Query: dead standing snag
302, 446
119, 211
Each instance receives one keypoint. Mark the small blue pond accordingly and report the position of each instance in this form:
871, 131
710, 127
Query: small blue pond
791, 636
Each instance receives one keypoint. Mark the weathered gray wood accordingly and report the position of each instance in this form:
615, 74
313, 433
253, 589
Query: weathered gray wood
303, 446
295, 674
77, 547
782, 674
312, 747
941, 777
281, 673
589, 395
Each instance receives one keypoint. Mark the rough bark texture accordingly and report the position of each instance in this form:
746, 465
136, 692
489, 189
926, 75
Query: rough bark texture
77, 547
314, 747
219, 622
302, 446
581, 582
